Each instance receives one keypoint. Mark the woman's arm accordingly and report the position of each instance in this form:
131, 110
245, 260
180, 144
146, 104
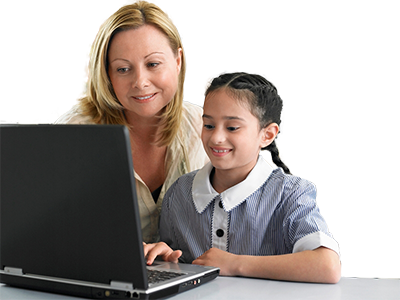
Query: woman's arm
321, 265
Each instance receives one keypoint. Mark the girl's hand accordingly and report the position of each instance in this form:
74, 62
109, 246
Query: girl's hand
218, 258
151, 251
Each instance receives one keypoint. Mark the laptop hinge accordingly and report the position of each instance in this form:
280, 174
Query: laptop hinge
13, 271
121, 285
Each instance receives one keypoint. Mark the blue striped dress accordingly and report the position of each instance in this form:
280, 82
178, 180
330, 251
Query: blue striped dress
269, 213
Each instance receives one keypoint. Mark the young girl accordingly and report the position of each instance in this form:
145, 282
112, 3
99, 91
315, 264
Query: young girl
238, 212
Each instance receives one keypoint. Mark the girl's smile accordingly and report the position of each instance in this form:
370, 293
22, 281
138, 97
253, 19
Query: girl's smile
220, 152
231, 136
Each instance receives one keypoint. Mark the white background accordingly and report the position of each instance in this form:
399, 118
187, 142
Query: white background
376, 23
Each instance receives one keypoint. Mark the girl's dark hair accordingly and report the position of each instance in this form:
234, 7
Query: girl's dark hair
262, 98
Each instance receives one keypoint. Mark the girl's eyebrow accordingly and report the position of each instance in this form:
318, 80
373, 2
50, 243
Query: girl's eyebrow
226, 117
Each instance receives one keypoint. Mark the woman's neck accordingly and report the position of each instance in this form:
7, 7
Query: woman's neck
143, 130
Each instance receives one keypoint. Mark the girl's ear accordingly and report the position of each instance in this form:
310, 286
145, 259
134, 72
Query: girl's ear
268, 134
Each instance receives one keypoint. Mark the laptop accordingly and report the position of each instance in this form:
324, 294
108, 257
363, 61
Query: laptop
69, 218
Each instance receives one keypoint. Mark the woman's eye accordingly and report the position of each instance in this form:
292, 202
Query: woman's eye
232, 128
152, 65
122, 70
206, 126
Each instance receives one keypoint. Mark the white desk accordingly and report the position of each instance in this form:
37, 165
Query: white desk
244, 288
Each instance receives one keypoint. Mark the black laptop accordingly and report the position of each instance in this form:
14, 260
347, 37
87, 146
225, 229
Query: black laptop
69, 218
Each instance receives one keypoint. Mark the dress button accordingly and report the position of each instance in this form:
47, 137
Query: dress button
220, 204
220, 233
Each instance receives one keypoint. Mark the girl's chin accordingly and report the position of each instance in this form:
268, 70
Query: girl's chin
217, 164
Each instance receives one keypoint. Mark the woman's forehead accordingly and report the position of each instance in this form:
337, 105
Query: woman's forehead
136, 39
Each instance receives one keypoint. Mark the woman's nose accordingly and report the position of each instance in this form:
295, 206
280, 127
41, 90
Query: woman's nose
140, 80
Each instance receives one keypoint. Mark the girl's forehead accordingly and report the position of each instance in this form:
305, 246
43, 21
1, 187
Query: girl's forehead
225, 97
222, 104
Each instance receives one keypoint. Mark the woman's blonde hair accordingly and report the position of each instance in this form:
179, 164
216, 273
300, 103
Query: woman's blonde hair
100, 102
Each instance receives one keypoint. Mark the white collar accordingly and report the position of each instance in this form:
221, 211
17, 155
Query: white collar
203, 192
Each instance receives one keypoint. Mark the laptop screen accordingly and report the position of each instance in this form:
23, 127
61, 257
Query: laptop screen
52, 174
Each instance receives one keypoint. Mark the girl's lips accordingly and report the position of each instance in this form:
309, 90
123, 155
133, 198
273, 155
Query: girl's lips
220, 151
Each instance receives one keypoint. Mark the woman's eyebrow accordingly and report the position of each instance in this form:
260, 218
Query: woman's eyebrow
153, 53
127, 60
123, 59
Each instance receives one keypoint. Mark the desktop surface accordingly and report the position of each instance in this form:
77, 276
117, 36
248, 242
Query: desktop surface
247, 288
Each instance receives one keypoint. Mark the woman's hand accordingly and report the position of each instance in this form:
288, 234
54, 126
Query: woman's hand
218, 258
151, 251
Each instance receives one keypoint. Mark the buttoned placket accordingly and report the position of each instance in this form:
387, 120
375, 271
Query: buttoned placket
219, 226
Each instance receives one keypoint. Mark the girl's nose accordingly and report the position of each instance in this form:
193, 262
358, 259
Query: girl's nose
217, 136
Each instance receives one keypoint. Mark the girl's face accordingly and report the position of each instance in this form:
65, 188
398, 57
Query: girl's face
231, 135
143, 70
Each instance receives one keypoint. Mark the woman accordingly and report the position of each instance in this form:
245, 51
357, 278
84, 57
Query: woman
136, 76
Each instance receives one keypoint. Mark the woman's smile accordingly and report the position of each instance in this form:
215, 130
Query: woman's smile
143, 70
144, 98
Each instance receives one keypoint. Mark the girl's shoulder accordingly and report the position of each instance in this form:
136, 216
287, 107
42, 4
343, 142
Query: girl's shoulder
287, 182
180, 191
183, 184
186, 180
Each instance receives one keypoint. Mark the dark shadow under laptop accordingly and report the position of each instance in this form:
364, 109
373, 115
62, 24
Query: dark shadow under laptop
69, 216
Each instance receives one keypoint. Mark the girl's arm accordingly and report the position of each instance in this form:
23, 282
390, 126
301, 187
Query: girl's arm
321, 265
151, 251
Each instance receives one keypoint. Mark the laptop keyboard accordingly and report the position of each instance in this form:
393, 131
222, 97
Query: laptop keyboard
155, 276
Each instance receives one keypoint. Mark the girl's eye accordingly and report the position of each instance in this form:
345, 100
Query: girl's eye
232, 128
206, 126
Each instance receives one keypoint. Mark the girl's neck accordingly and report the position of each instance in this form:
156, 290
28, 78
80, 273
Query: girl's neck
222, 180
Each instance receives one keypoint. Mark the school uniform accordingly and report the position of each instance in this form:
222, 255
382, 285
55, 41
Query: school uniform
269, 213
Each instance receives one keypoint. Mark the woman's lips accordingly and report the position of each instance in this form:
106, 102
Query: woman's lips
144, 98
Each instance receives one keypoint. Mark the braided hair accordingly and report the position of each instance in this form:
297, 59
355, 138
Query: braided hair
260, 96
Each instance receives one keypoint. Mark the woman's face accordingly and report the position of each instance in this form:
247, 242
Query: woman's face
143, 70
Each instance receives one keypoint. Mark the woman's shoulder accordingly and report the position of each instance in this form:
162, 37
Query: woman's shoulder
192, 109
74, 116
192, 121
192, 114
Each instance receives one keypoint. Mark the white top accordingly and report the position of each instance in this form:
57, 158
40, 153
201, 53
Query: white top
185, 154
